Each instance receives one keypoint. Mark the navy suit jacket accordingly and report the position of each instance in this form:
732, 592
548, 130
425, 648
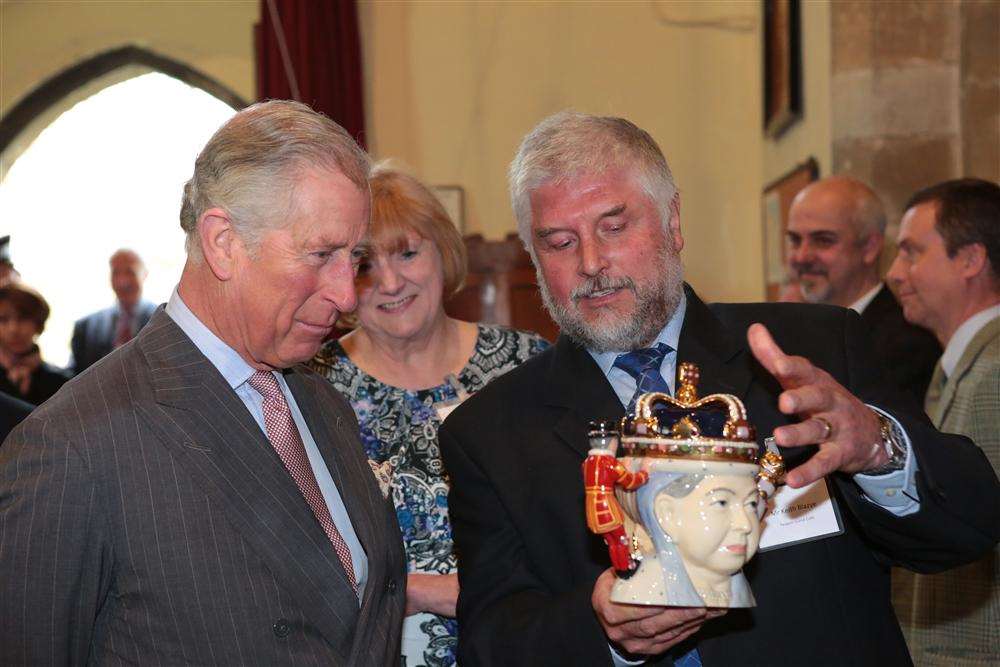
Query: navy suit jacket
94, 335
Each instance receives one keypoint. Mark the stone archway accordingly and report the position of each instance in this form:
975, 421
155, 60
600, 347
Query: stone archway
29, 116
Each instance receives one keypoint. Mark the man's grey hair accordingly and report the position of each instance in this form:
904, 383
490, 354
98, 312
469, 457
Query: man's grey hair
250, 166
570, 144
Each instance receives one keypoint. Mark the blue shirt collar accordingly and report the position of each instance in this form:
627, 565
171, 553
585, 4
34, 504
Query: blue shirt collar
231, 365
669, 334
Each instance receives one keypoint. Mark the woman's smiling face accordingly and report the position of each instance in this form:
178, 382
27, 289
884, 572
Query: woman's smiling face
401, 291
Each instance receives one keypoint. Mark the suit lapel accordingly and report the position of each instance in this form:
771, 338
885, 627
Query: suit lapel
964, 365
331, 438
884, 302
581, 392
720, 356
105, 335
209, 429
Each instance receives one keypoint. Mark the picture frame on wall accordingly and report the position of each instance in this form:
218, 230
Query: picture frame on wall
776, 201
782, 65
452, 197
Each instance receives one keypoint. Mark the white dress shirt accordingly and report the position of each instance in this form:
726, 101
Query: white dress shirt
963, 336
866, 298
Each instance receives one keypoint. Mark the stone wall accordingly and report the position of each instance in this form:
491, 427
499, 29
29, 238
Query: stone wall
916, 93
980, 83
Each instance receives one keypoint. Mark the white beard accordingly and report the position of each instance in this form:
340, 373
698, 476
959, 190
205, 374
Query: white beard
655, 304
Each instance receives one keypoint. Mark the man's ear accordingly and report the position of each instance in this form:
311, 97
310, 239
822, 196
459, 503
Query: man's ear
973, 260
871, 248
219, 242
674, 226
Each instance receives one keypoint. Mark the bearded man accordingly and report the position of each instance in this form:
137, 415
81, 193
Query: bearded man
599, 212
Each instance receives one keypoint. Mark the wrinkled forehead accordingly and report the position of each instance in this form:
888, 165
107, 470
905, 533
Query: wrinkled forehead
583, 188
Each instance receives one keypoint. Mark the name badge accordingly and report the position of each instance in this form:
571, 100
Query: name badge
800, 515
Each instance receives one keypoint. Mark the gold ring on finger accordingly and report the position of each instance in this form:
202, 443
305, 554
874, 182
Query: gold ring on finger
828, 428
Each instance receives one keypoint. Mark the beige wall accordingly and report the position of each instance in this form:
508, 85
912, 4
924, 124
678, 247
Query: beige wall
452, 87
40, 39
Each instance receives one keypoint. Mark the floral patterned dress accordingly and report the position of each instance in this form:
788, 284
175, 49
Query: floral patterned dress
399, 432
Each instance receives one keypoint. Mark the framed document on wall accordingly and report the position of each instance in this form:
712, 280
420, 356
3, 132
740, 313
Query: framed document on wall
782, 66
452, 197
777, 199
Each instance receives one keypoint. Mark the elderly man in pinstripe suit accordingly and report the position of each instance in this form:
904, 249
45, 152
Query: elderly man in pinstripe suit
199, 497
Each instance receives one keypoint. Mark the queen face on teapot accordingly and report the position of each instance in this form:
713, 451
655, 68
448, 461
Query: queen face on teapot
696, 521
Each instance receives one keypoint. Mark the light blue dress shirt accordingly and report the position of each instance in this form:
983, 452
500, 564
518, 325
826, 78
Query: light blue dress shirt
237, 372
896, 492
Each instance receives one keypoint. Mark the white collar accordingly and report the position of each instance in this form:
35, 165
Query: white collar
963, 335
869, 296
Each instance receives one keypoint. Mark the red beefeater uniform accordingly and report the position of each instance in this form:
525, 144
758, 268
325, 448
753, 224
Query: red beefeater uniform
601, 472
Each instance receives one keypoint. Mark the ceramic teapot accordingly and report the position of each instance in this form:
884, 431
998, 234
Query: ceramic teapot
678, 492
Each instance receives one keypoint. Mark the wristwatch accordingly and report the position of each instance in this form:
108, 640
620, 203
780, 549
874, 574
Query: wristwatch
892, 442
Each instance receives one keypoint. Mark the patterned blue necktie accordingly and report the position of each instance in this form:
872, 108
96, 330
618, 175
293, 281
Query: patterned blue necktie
690, 658
644, 367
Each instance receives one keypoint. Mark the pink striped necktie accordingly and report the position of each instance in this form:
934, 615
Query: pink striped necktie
285, 439
123, 332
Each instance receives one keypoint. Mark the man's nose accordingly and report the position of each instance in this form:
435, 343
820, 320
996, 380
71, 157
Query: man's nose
340, 290
895, 273
592, 259
802, 254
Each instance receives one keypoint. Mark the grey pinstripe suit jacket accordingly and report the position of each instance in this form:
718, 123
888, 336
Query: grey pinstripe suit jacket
145, 519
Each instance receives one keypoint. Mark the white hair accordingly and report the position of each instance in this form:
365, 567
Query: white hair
569, 144
250, 166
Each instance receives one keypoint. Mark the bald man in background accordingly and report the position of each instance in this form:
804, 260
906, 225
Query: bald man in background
97, 334
836, 231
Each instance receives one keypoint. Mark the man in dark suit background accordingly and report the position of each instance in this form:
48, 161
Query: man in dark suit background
95, 335
599, 212
199, 497
836, 233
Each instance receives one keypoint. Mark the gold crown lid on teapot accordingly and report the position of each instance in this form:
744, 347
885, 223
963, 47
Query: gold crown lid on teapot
713, 428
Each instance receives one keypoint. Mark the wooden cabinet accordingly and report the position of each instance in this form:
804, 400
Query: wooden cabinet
500, 288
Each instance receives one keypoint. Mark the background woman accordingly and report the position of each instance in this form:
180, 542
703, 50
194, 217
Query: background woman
23, 312
405, 366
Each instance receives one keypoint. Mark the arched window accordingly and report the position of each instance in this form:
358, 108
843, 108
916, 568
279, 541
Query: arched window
106, 173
